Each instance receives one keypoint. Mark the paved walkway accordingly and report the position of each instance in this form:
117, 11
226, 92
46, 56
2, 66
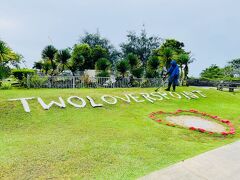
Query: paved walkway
218, 164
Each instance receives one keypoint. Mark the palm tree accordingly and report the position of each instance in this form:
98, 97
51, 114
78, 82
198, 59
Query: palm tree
123, 67
7, 54
38, 65
46, 66
48, 53
63, 56
166, 55
184, 59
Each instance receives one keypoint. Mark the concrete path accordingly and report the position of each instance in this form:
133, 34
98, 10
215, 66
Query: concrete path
218, 164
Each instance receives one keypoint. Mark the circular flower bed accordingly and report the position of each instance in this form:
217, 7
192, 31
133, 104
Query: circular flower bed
230, 128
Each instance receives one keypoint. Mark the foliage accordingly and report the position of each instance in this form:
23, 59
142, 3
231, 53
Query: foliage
37, 81
133, 60
48, 53
21, 73
228, 71
135, 65
173, 44
77, 57
152, 67
168, 50
235, 67
7, 54
103, 64
38, 65
62, 57
137, 72
166, 55
7, 57
153, 63
212, 72
99, 52
5, 71
183, 59
140, 45
151, 73
5, 85
103, 74
46, 66
123, 67
101, 47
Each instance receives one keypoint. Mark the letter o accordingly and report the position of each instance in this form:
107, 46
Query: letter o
69, 100
107, 101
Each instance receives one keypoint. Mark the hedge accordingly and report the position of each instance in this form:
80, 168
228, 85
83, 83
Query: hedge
21, 73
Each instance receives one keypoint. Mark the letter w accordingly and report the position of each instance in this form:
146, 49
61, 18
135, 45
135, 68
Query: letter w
48, 106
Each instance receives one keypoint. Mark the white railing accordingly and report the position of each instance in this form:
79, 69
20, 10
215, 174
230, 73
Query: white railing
94, 82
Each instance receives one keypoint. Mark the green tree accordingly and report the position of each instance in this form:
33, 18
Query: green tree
166, 55
137, 72
38, 65
212, 72
47, 66
136, 68
83, 52
95, 40
7, 57
141, 45
228, 71
176, 46
184, 59
99, 52
63, 56
77, 57
103, 65
235, 65
168, 50
123, 67
152, 67
48, 53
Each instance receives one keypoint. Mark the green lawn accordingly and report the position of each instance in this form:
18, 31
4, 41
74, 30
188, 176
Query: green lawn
113, 142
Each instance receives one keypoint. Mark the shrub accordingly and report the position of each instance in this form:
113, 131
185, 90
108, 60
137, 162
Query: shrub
103, 64
103, 74
123, 67
137, 72
4, 72
37, 81
21, 73
151, 73
6, 85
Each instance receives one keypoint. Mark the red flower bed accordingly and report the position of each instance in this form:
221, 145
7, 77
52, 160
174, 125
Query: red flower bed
179, 111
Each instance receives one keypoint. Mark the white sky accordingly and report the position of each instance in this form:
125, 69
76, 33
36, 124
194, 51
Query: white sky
209, 28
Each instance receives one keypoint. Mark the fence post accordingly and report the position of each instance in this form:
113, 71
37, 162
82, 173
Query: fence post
28, 81
73, 81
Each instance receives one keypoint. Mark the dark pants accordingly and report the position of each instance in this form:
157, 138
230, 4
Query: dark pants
171, 84
172, 81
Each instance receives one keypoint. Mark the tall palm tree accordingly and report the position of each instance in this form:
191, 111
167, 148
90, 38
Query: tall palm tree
184, 59
38, 65
7, 54
48, 53
63, 56
166, 55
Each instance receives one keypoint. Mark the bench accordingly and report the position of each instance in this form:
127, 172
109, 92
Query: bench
230, 85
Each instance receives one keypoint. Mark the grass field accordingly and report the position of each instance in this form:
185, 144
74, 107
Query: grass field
112, 142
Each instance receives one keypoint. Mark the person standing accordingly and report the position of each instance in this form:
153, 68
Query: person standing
173, 73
